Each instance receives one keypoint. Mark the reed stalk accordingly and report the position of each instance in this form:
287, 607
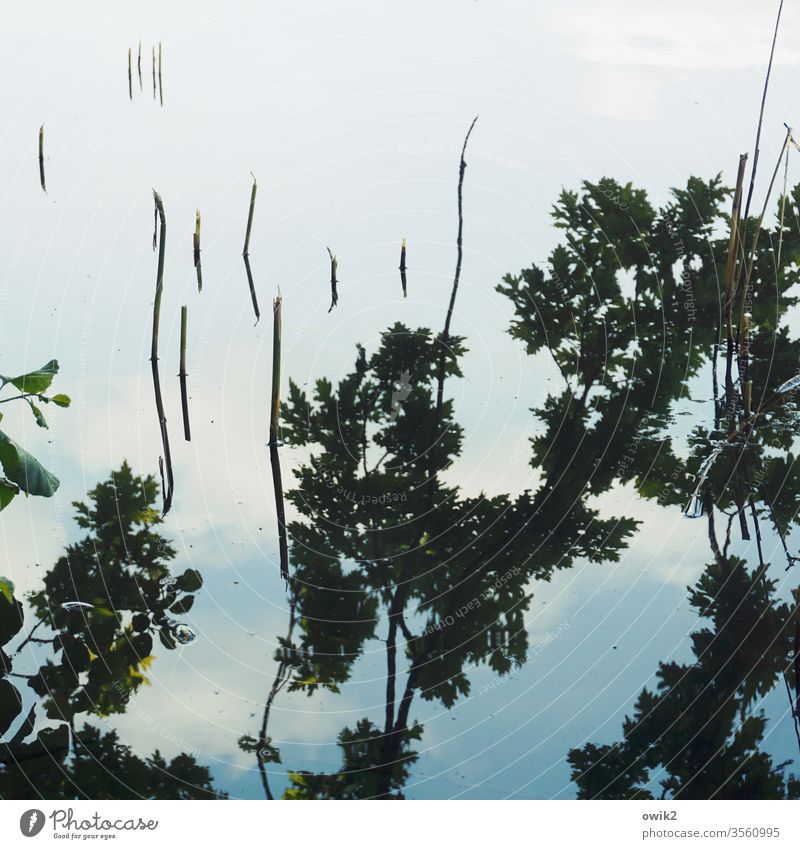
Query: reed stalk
274, 419
160, 86
187, 433
733, 247
334, 280
253, 296
250, 213
154, 72
130, 76
246, 250
761, 111
445, 337
139, 66
751, 258
197, 265
168, 484
41, 159
403, 268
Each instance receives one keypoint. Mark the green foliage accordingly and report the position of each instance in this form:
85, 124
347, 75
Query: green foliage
7, 589
121, 568
696, 728
699, 730
103, 602
24, 472
362, 775
102, 767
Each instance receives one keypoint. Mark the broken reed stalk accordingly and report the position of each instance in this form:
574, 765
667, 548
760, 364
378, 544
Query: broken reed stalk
403, 268
246, 251
130, 76
187, 433
154, 72
139, 66
253, 296
282, 675
782, 217
251, 211
751, 259
274, 418
160, 87
197, 265
168, 485
445, 338
761, 112
733, 244
334, 280
41, 158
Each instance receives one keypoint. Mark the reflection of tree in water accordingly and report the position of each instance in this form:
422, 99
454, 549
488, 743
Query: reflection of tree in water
387, 545
702, 730
628, 309
104, 601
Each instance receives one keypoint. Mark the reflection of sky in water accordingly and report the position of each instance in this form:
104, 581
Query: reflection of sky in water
351, 119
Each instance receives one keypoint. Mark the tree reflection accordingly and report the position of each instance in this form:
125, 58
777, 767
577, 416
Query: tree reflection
700, 733
103, 603
628, 308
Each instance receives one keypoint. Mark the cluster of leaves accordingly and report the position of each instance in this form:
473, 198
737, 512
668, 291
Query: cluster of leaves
697, 729
23, 472
385, 544
362, 774
629, 310
103, 601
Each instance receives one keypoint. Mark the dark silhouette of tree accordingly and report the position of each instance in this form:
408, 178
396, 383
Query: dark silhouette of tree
387, 550
629, 310
701, 730
103, 602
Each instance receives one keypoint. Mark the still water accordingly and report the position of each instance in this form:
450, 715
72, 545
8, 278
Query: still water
573, 575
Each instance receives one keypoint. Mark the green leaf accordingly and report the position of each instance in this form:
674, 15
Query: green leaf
190, 581
7, 491
183, 605
25, 470
61, 400
37, 414
34, 382
12, 617
166, 638
7, 588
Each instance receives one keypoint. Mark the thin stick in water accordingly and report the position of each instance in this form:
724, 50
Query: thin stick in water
274, 418
130, 76
41, 158
748, 266
187, 433
733, 244
253, 296
334, 280
168, 485
445, 338
139, 66
160, 86
154, 72
246, 251
403, 268
761, 112
197, 265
